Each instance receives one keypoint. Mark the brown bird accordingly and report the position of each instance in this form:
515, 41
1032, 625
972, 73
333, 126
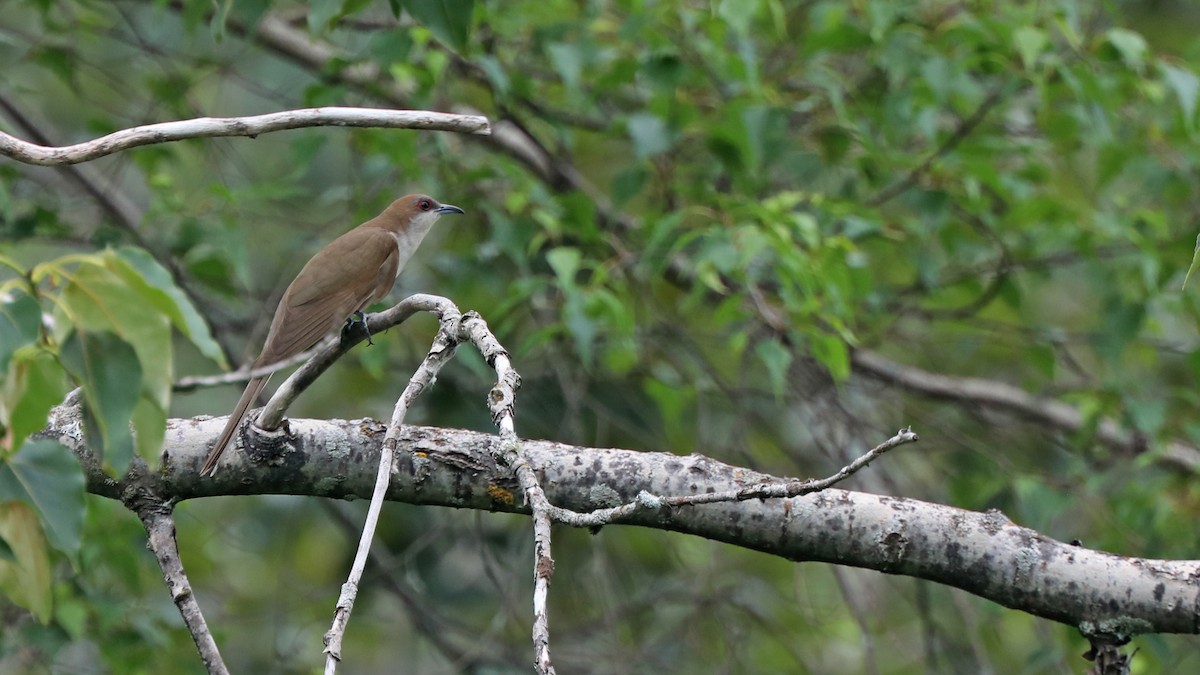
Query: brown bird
355, 270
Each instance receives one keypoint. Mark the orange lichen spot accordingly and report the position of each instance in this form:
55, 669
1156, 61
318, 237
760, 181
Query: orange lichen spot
501, 495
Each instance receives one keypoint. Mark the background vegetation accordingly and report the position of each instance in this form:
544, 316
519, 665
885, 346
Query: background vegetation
701, 227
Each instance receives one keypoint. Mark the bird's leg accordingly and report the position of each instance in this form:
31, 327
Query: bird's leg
360, 319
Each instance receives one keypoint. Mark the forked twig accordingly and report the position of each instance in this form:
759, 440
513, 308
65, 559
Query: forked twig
444, 344
455, 328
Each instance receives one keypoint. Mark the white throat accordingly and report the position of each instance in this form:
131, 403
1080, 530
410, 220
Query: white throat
408, 240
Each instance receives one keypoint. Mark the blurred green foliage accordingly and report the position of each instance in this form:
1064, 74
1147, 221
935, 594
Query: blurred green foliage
691, 216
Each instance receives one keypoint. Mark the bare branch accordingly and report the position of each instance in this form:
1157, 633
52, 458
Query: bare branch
209, 127
242, 375
160, 528
444, 344
295, 44
454, 328
981, 553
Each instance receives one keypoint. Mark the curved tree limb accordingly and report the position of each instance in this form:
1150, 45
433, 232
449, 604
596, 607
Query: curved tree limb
983, 553
1029, 547
210, 127
243, 375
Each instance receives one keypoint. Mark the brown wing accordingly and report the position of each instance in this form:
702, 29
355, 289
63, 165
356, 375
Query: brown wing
386, 278
340, 279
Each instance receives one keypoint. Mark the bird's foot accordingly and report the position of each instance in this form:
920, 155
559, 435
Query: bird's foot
358, 318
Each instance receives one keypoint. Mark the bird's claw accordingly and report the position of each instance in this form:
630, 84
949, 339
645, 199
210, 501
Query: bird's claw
359, 318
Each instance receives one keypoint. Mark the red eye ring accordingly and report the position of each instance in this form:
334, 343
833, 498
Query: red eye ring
424, 204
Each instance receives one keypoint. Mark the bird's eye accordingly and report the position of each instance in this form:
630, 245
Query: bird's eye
424, 204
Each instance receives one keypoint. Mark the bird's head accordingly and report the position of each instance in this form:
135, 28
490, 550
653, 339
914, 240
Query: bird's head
416, 212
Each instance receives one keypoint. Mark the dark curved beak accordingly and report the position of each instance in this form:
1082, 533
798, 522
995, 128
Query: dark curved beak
449, 208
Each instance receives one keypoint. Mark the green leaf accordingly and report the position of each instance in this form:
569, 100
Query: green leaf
249, 12
1148, 415
831, 352
60, 61
568, 61
1043, 358
321, 13
448, 20
20, 323
45, 475
496, 75
171, 300
738, 14
104, 296
664, 68
777, 359
628, 184
1131, 46
1186, 87
766, 134
674, 401
1119, 324
650, 134
1195, 263
565, 263
149, 429
1029, 42
26, 581
108, 369
216, 25
34, 386
353, 7
580, 325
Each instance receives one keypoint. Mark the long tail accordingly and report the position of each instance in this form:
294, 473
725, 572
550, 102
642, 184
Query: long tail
253, 389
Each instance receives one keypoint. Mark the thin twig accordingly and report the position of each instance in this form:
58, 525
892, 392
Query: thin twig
964, 129
443, 348
210, 127
772, 490
242, 375
160, 529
